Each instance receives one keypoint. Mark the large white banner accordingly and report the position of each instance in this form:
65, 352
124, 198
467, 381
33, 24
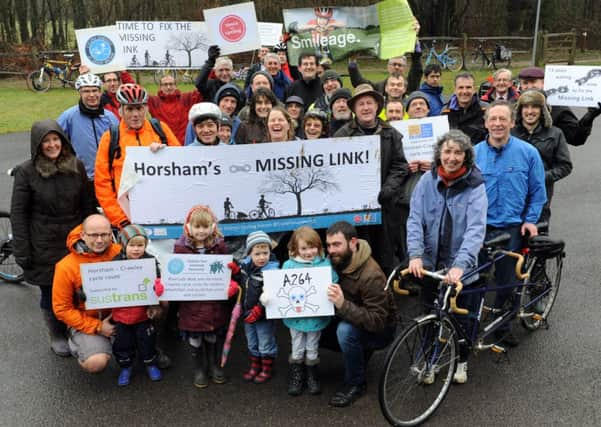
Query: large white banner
420, 136
100, 49
573, 85
163, 44
234, 28
298, 292
270, 186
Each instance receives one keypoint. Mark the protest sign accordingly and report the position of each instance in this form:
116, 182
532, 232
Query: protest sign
420, 136
573, 85
100, 49
163, 44
396, 27
271, 186
233, 28
297, 292
189, 277
119, 283
270, 33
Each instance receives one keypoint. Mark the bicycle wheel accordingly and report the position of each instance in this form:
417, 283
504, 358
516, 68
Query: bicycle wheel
454, 61
418, 371
39, 82
477, 61
9, 270
540, 292
270, 212
254, 214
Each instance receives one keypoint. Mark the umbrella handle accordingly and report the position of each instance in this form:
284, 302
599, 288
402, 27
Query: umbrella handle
239, 299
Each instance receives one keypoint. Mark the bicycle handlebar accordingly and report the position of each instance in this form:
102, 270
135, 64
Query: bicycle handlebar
518, 265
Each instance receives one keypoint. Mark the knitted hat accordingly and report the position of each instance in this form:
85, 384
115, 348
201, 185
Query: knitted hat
266, 74
416, 95
255, 238
224, 120
537, 98
295, 100
338, 94
130, 231
366, 89
228, 89
330, 75
533, 73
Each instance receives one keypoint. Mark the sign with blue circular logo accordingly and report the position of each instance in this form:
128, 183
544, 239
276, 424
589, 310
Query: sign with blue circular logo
100, 49
175, 266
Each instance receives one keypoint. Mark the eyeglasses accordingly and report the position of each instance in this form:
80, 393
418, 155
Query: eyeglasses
95, 236
111, 80
167, 84
396, 64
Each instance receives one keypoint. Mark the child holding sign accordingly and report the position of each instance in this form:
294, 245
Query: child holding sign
204, 323
133, 326
305, 250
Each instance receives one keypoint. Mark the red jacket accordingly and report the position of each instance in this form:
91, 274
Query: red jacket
173, 109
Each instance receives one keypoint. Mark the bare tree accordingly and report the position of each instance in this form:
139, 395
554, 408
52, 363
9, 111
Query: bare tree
189, 42
297, 181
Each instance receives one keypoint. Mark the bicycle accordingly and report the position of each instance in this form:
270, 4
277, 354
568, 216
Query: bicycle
65, 71
448, 59
481, 60
10, 272
262, 213
241, 74
422, 360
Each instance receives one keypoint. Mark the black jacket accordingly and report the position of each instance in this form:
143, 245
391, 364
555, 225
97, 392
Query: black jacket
413, 80
576, 131
49, 199
470, 120
209, 87
308, 90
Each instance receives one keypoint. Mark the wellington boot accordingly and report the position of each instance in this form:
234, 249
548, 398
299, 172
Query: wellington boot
201, 376
214, 355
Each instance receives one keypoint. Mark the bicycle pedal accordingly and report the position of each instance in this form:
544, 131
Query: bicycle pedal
442, 340
536, 317
495, 348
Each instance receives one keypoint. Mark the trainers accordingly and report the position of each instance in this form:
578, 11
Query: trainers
124, 377
154, 373
460, 376
428, 377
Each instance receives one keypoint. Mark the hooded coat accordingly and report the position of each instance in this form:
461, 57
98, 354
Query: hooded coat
49, 199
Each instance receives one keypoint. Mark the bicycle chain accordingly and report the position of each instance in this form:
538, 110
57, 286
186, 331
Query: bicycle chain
564, 89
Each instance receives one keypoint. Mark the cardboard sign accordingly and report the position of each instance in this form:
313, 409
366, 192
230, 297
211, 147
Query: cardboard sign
573, 85
189, 277
114, 284
100, 49
420, 136
270, 33
298, 292
233, 28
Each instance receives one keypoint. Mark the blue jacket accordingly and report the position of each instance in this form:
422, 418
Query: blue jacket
466, 203
191, 135
515, 182
309, 324
85, 133
435, 98
251, 282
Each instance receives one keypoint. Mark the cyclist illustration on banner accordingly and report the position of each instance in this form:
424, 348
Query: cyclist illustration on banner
227, 208
321, 26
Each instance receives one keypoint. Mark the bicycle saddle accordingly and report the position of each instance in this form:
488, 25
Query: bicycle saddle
544, 246
497, 242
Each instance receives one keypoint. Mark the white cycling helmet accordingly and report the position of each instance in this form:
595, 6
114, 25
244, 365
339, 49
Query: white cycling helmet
203, 111
88, 80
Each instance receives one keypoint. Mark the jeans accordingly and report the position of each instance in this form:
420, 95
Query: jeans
140, 336
260, 337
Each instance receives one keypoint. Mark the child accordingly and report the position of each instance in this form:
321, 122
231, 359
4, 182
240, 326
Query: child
225, 130
133, 326
305, 251
204, 323
260, 332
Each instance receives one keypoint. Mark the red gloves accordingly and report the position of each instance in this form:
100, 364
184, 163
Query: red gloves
233, 289
158, 287
254, 314
234, 267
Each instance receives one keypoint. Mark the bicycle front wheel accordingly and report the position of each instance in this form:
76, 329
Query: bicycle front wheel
540, 292
454, 61
39, 81
9, 270
418, 371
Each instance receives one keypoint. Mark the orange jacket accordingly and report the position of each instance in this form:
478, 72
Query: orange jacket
104, 178
67, 279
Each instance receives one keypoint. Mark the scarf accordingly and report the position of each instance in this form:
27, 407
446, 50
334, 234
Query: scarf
448, 178
89, 112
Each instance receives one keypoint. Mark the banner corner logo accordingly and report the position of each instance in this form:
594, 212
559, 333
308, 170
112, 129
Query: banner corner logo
100, 49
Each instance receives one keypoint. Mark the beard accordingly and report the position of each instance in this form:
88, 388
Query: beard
343, 115
340, 262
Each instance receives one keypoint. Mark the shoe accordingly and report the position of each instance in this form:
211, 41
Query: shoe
214, 356
57, 331
296, 379
460, 376
124, 377
313, 385
154, 373
347, 396
163, 361
253, 371
429, 378
507, 338
266, 370
201, 376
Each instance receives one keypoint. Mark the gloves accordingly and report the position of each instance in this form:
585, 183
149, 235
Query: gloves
233, 289
264, 298
158, 287
79, 296
254, 314
587, 119
234, 267
214, 52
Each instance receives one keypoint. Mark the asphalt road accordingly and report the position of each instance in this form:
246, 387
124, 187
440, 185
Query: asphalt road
552, 378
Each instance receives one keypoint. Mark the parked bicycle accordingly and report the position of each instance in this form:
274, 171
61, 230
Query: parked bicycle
10, 272
421, 362
240, 74
53, 69
448, 57
500, 56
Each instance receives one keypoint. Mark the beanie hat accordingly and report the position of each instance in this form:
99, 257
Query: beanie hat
224, 120
537, 98
338, 94
228, 89
255, 238
330, 75
416, 95
295, 100
130, 231
266, 74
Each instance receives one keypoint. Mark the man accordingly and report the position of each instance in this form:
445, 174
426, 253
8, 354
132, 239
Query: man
534, 124
576, 131
112, 81
281, 50
341, 113
134, 130
464, 109
366, 104
432, 88
365, 310
259, 65
330, 81
281, 82
515, 186
502, 87
417, 105
394, 111
222, 66
89, 330
172, 107
308, 87
85, 123
395, 87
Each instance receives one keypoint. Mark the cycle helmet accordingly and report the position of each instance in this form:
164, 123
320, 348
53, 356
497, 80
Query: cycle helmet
203, 111
88, 80
324, 12
318, 114
132, 94
545, 247
280, 47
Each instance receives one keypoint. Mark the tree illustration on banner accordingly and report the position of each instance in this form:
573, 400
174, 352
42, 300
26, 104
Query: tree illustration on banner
189, 43
297, 181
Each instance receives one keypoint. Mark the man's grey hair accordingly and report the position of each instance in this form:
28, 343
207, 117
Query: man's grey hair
272, 56
462, 140
224, 60
402, 58
501, 71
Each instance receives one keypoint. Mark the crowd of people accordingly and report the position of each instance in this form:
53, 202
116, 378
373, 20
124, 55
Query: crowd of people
493, 173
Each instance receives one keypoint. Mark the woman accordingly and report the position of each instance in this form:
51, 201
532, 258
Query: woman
254, 130
279, 125
50, 197
447, 221
315, 124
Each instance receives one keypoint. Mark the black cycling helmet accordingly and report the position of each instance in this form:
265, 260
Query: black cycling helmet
545, 247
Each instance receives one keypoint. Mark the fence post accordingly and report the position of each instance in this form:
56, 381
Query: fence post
540, 52
572, 54
464, 51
